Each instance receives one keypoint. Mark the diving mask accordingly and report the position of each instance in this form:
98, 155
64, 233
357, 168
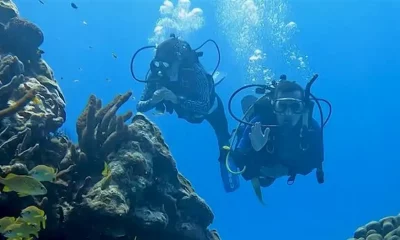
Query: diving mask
159, 67
282, 105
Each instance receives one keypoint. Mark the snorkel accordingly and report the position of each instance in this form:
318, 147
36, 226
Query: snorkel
162, 67
268, 92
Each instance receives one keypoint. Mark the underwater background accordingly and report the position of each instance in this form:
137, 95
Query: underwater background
352, 45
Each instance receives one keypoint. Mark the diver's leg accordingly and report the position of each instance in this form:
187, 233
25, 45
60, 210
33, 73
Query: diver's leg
219, 123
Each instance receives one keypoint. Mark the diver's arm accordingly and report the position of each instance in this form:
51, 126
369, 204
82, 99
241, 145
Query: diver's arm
201, 102
245, 142
245, 156
146, 102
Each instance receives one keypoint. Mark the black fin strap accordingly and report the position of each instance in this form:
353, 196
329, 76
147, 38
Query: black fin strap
320, 175
291, 179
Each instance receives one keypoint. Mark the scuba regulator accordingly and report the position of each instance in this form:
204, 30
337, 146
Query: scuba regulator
268, 92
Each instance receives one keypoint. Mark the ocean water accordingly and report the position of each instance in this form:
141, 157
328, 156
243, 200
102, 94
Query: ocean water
352, 45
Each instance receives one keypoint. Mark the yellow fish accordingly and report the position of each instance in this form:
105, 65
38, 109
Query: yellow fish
22, 184
5, 222
33, 214
21, 230
36, 100
19, 220
105, 182
43, 173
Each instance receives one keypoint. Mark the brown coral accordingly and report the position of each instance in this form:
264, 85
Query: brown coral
8, 10
99, 129
146, 190
387, 228
22, 38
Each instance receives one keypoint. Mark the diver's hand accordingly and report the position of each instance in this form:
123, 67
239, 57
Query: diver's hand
258, 139
164, 94
170, 96
158, 95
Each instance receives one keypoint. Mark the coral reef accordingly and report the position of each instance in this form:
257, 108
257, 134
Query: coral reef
387, 228
7, 10
141, 195
24, 77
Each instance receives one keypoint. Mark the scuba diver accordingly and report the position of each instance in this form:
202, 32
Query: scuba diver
177, 82
278, 135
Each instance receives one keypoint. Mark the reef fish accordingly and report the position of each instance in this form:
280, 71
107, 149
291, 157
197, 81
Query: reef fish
5, 222
105, 182
33, 214
43, 173
24, 185
21, 229
73, 5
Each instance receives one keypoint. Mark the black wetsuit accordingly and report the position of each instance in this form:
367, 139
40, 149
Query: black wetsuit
280, 149
197, 100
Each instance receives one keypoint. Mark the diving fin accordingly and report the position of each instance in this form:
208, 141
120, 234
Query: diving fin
231, 182
257, 189
247, 102
218, 77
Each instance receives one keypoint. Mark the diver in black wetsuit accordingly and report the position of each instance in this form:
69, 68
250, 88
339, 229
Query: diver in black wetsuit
178, 82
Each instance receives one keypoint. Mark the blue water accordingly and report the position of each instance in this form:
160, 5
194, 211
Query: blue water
353, 45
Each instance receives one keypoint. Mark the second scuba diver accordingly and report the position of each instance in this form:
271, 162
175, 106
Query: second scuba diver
280, 137
178, 82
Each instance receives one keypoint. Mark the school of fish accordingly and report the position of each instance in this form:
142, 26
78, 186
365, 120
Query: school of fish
32, 219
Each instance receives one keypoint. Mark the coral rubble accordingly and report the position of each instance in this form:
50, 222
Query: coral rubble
387, 228
143, 196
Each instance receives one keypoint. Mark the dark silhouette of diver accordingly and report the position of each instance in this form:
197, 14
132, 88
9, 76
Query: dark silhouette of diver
278, 136
177, 82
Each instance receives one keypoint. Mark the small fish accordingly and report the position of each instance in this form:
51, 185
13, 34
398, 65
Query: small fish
76, 80
36, 100
33, 214
21, 230
84, 23
41, 1
40, 51
105, 181
90, 47
62, 78
73, 5
43, 173
5, 222
114, 55
24, 185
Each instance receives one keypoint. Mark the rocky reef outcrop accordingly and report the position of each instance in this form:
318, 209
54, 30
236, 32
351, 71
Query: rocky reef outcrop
143, 196
387, 228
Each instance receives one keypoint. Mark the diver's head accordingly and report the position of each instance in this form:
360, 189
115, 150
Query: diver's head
170, 54
288, 103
